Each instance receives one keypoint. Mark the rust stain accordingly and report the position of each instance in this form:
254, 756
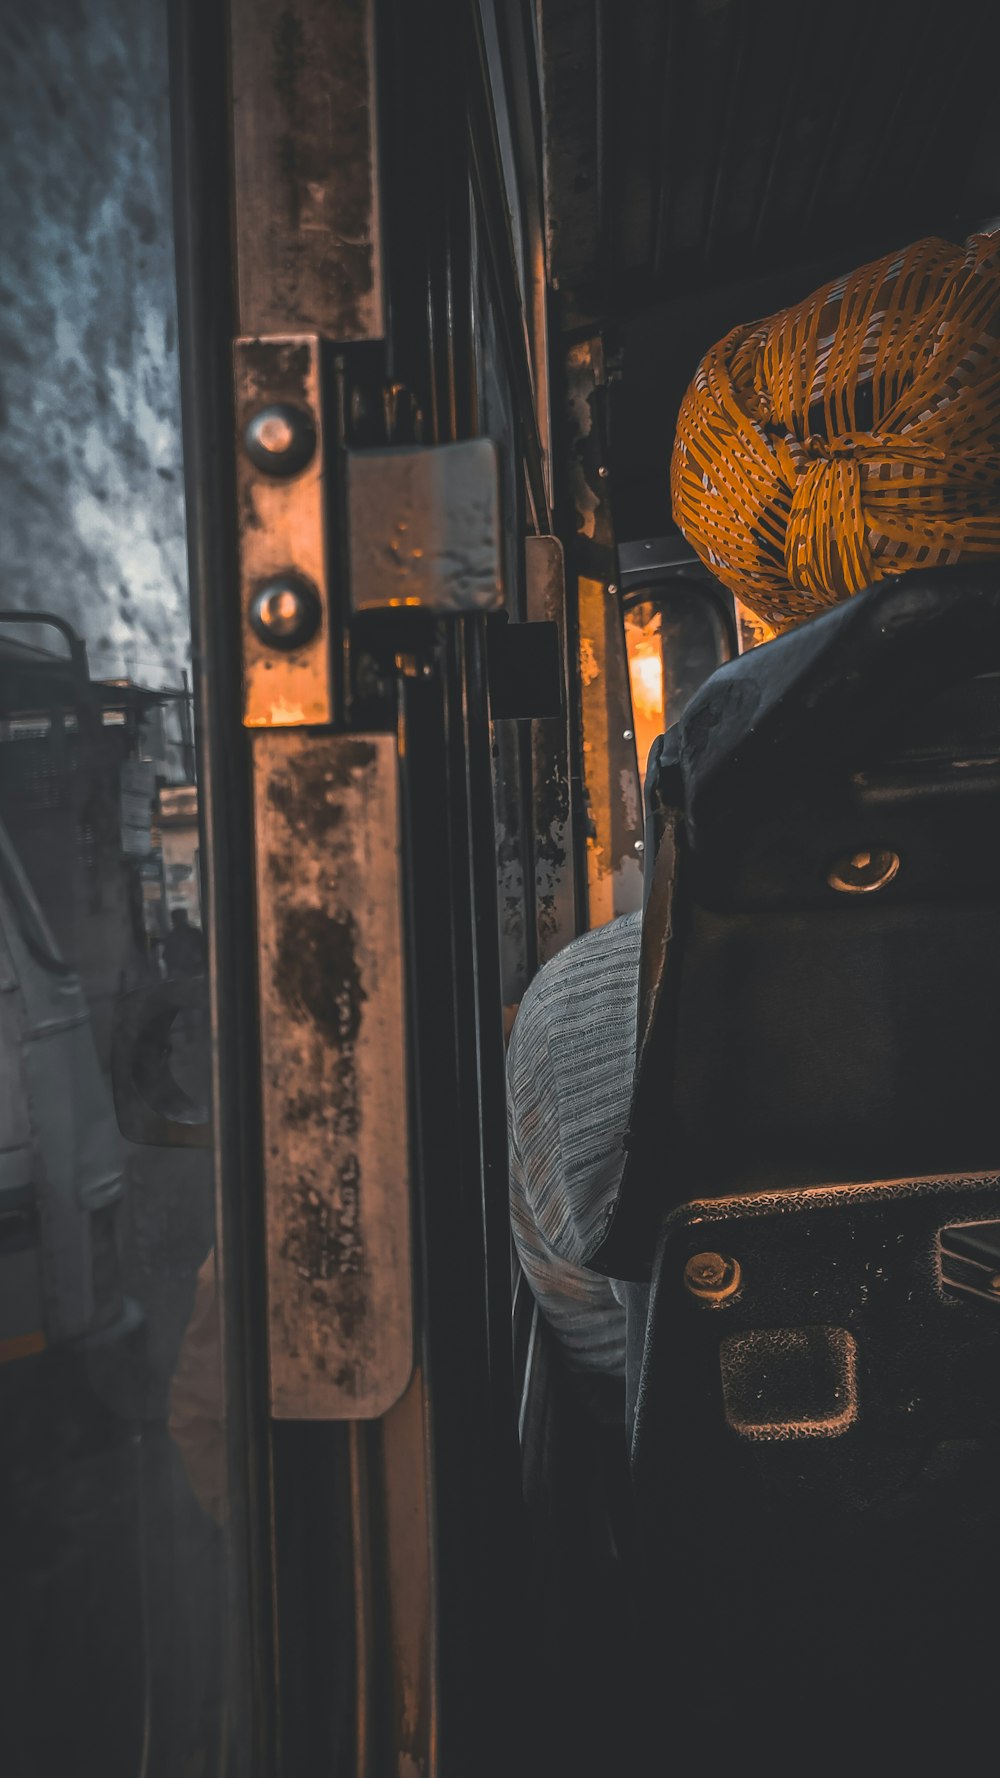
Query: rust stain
322, 1241
310, 802
305, 166
303, 815
271, 366
317, 971
589, 665
351, 756
288, 65
289, 47
344, 1098
332, 1030
305, 1108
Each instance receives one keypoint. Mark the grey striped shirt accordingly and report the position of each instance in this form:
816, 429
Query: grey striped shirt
569, 1082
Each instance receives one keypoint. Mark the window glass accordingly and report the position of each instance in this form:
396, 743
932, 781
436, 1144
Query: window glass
112, 1484
676, 633
644, 642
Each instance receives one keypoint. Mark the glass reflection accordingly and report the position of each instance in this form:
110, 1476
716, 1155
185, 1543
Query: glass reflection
677, 631
644, 645
112, 1490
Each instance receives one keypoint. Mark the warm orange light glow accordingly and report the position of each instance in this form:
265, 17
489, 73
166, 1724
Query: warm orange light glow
645, 665
752, 630
647, 682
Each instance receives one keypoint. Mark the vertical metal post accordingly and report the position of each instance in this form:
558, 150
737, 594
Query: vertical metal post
611, 784
205, 278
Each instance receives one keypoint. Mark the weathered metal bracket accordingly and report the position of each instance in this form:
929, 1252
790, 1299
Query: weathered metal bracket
336, 1142
280, 466
525, 670
424, 528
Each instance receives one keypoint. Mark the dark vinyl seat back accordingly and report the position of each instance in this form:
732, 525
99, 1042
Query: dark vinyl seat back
812, 1177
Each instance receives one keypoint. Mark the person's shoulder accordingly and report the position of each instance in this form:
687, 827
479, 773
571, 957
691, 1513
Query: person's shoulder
605, 960
595, 949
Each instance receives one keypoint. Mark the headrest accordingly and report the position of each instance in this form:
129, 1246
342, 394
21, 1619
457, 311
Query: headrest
768, 729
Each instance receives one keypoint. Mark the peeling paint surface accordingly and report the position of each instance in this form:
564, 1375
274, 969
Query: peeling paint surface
610, 767
510, 855
614, 867
91, 490
628, 785
579, 401
334, 1074
589, 665
306, 178
555, 864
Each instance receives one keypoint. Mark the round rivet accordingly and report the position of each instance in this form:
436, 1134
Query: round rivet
639, 845
286, 612
602, 472
860, 873
280, 439
627, 735
712, 1276
613, 588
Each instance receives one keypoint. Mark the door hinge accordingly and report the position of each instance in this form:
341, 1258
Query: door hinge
424, 528
280, 478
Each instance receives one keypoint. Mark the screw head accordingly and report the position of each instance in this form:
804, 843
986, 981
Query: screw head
612, 588
712, 1276
280, 439
639, 845
861, 873
286, 612
627, 734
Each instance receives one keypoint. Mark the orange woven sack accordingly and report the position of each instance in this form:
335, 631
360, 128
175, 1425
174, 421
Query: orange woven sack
850, 437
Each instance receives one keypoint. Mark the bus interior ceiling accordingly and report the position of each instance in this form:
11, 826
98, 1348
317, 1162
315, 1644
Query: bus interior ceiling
711, 161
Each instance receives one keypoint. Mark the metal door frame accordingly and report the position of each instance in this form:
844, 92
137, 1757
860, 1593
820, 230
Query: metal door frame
314, 1500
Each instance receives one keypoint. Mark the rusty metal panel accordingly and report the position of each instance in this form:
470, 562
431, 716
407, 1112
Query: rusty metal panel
306, 178
282, 532
611, 783
513, 860
425, 527
555, 865
336, 1144
610, 771
412, 1620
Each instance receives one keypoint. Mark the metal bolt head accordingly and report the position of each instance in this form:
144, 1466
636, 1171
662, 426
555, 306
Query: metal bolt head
628, 734
280, 439
861, 873
638, 845
613, 588
286, 612
712, 1276
602, 471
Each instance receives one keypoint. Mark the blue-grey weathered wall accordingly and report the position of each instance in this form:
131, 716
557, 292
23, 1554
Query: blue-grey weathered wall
91, 506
